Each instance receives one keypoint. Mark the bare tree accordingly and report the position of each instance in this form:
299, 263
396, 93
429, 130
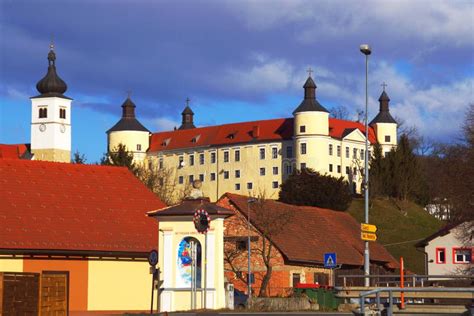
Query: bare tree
339, 112
163, 182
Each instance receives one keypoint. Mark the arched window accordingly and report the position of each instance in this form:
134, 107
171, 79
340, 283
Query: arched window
43, 113
184, 263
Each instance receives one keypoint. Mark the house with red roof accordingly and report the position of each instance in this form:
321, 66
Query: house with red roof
257, 156
299, 237
87, 222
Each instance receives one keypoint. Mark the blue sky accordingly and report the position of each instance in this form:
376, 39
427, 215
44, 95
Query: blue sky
235, 60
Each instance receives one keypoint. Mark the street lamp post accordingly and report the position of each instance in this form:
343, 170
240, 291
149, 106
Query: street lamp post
365, 49
249, 279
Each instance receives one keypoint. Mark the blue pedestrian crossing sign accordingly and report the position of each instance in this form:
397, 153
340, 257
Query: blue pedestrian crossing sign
330, 260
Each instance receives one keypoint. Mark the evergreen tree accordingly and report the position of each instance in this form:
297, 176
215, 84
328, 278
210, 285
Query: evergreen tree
314, 189
121, 157
79, 158
378, 173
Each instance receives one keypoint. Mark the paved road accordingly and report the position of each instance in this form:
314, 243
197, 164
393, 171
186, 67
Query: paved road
271, 314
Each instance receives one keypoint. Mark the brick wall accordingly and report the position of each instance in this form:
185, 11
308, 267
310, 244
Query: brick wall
235, 231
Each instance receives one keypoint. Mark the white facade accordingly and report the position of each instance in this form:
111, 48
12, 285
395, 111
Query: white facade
51, 131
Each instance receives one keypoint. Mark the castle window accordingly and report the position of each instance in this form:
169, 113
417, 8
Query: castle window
289, 169
330, 167
249, 185
237, 173
354, 171
262, 171
275, 170
226, 174
191, 160
347, 170
274, 152
139, 147
347, 152
43, 113
275, 184
339, 151
289, 152
191, 179
201, 159
303, 148
302, 166
354, 153
181, 161
387, 138
237, 186
262, 153
237, 155
160, 163
362, 156
201, 177
338, 169
180, 179
62, 113
226, 156
302, 129
213, 176
330, 149
213, 157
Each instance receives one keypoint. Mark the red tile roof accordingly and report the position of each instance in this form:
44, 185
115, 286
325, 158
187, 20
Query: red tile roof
61, 206
237, 133
13, 151
314, 231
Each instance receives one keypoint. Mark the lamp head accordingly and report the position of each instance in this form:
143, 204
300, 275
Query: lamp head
365, 49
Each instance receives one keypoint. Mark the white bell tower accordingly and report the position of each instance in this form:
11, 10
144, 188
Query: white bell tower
51, 117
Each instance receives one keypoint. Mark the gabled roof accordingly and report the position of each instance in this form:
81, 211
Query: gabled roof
188, 206
61, 206
442, 232
245, 132
314, 231
14, 151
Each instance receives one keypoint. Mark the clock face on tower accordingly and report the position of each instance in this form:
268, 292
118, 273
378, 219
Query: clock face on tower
42, 127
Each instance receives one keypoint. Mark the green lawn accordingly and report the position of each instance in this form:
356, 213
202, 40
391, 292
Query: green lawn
399, 222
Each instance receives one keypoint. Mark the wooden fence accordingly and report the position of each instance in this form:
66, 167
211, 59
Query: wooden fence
34, 293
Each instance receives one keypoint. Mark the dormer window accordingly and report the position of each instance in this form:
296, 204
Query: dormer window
195, 139
62, 113
232, 135
166, 142
43, 113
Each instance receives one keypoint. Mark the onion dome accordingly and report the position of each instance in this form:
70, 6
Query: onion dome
384, 115
310, 103
128, 122
187, 120
51, 85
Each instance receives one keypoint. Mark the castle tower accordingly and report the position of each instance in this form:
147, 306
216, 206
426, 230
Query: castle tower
311, 130
385, 125
51, 117
129, 132
187, 117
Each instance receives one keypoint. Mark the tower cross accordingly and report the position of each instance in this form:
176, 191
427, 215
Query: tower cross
187, 101
129, 93
310, 71
383, 85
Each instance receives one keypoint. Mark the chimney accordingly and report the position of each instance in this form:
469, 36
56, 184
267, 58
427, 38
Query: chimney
255, 131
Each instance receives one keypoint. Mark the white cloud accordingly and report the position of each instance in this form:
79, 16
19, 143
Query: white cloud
164, 124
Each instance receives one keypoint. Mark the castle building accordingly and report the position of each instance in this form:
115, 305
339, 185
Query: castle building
255, 157
51, 117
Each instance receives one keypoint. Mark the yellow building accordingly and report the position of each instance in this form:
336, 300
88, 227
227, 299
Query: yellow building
256, 157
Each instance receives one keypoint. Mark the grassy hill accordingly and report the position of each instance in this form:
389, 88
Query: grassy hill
399, 222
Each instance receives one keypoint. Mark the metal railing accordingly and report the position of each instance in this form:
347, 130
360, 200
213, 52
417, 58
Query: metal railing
390, 291
412, 279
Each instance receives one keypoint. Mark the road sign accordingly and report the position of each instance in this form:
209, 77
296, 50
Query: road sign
153, 258
368, 228
368, 236
330, 260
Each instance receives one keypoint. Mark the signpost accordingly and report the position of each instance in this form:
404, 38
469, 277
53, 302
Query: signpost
153, 260
368, 232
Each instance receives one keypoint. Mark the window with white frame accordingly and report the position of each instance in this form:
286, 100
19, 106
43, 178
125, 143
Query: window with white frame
213, 157
201, 158
303, 148
289, 152
462, 255
275, 184
262, 153
237, 155
275, 170
274, 152
213, 176
330, 149
226, 156
237, 173
347, 152
339, 151
191, 160
226, 174
262, 171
